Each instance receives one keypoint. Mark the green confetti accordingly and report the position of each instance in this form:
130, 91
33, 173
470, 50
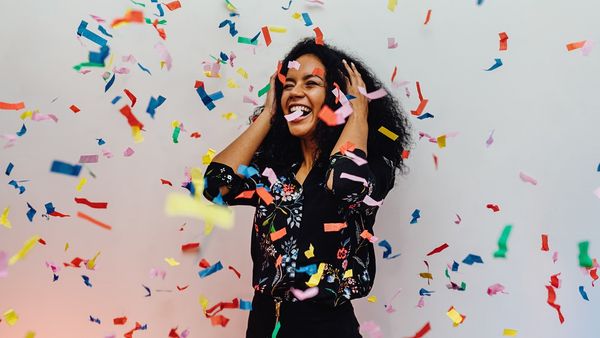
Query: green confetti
276, 330
584, 258
248, 41
87, 64
502, 248
176, 134
139, 3
160, 22
264, 90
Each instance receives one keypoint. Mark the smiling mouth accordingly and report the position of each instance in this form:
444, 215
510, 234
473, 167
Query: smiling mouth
298, 113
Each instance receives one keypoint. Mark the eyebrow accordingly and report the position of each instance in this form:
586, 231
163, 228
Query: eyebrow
306, 77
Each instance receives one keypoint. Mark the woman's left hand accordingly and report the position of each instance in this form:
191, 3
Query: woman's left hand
360, 104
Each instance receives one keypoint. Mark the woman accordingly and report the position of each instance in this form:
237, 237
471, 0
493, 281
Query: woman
316, 189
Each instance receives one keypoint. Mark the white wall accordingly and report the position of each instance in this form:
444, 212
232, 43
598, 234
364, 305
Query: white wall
541, 103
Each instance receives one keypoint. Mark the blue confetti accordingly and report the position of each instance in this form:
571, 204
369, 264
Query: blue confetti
55, 278
103, 30
116, 99
388, 249
208, 99
425, 116
109, 83
22, 131
247, 171
309, 269
100, 141
231, 24
95, 320
288, 6
83, 31
144, 68
160, 11
154, 104
470, 259
255, 37
147, 290
479, 2
415, 216
9, 168
86, 280
245, 305
424, 292
31, 212
454, 266
598, 170
496, 65
99, 57
307, 20
65, 168
49, 208
210, 270
583, 293
17, 186
223, 56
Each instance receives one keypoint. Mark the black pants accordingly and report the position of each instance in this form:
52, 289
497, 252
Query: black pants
301, 320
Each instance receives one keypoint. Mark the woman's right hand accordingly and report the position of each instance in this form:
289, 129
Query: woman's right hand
270, 106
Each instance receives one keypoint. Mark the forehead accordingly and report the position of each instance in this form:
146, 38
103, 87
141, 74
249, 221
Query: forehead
308, 64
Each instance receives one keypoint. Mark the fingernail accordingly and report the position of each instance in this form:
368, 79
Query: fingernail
344, 60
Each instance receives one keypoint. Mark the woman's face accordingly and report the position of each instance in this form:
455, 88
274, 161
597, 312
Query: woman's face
304, 91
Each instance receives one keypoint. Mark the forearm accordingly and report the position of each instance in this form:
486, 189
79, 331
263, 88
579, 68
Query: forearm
242, 149
355, 131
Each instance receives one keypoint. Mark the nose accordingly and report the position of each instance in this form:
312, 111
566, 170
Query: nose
297, 90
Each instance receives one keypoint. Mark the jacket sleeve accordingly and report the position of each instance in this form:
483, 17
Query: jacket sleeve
242, 190
358, 185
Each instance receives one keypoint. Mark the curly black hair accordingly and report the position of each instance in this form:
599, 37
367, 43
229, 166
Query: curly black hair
280, 149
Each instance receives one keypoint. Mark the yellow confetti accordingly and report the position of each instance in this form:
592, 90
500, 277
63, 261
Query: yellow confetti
171, 261
392, 5
230, 6
175, 124
230, 116
137, 134
11, 317
26, 115
82, 182
208, 228
30, 334
185, 205
66, 246
510, 332
426, 275
231, 84
316, 277
162, 64
24, 250
197, 182
455, 316
204, 303
207, 158
348, 274
92, 262
441, 141
209, 74
387, 133
4, 218
310, 253
296, 15
277, 29
242, 72
372, 299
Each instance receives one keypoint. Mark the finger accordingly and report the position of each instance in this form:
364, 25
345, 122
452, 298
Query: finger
359, 79
350, 72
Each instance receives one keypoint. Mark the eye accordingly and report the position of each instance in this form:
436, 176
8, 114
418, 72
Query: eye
288, 86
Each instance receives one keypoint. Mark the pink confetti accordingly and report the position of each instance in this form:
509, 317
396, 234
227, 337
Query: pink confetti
268, 172
494, 289
490, 139
55, 268
164, 54
526, 178
42, 117
372, 329
356, 159
458, 219
128, 152
289, 117
421, 302
597, 192
3, 264
587, 48
379, 93
107, 153
305, 294
232, 57
156, 272
354, 178
392, 43
88, 159
555, 256
122, 70
294, 65
129, 58
248, 99
371, 202
97, 18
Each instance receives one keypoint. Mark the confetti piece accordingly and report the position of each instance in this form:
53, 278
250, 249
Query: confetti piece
264, 90
81, 183
470, 259
426, 328
130, 17
4, 218
173, 5
490, 139
509, 332
88, 159
420, 108
12, 106
495, 289
94, 221
3, 264
388, 249
128, 152
231, 25
493, 207
11, 317
237, 273
424, 292
583, 293
278, 234
503, 41
30, 213
391, 45
527, 179
106, 87
551, 301
392, 5
318, 36
428, 17
575, 45
310, 253
86, 33
316, 277
545, 243
415, 216
210, 270
455, 316
305, 294
333, 227
131, 119
154, 104
498, 63
171, 261
86, 280
438, 249
27, 246
120, 320
190, 247
458, 219
584, 258
502, 246
95, 205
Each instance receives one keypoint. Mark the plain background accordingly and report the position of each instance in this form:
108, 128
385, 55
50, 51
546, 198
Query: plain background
541, 106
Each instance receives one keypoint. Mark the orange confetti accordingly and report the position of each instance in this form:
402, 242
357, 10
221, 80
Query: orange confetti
319, 72
266, 35
120, 320
333, 227
264, 195
245, 194
74, 108
575, 45
173, 5
92, 220
12, 106
278, 234
405, 154
319, 36
503, 41
328, 116
420, 108
428, 17
130, 17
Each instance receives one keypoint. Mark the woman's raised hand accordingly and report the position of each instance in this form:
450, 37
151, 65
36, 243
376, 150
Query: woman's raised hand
360, 104
270, 100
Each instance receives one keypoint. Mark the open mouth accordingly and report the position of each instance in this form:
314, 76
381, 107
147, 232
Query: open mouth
298, 112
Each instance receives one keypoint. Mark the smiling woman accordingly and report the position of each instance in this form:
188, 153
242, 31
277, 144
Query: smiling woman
315, 215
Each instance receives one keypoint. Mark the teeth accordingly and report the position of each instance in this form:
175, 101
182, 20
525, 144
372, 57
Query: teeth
304, 109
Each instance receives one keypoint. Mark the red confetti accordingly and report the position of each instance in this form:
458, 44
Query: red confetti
181, 288
423, 331
173, 5
405, 154
594, 275
204, 263
393, 73
161, 31
129, 334
131, 119
420, 108
503, 41
42, 241
545, 243
238, 274
190, 247
74, 108
438, 249
120, 320
75, 262
58, 214
195, 134
234, 304
166, 182
551, 302
419, 91
131, 97
428, 17
319, 36
266, 35
435, 161
219, 320
554, 281
93, 220
494, 207
95, 205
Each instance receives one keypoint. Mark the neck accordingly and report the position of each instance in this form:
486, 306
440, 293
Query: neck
309, 150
